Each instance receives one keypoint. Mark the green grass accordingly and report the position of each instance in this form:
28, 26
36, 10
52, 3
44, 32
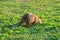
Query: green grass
47, 10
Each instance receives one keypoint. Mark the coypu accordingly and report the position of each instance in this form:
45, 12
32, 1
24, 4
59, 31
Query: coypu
29, 19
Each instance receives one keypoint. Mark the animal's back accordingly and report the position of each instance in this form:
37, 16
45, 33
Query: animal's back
27, 15
28, 18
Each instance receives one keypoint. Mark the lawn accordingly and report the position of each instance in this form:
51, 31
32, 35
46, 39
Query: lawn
12, 10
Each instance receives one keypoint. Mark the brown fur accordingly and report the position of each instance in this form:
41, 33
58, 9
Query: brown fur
29, 18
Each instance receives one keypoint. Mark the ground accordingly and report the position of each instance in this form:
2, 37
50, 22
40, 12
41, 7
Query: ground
12, 10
